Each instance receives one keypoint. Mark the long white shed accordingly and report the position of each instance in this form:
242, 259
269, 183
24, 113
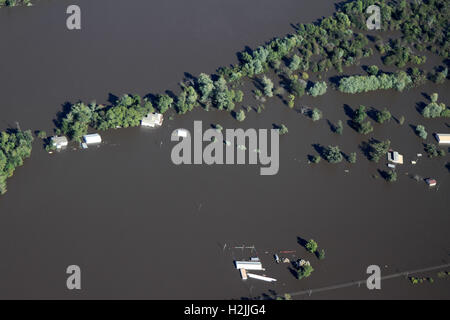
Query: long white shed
443, 138
92, 138
249, 265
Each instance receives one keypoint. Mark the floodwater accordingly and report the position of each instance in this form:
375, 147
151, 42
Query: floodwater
139, 226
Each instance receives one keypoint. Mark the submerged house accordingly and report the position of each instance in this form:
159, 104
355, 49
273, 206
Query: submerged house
443, 138
395, 157
59, 142
92, 138
152, 120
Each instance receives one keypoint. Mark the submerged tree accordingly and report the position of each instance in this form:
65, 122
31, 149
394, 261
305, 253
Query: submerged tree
268, 86
377, 149
222, 96
318, 89
390, 175
320, 254
283, 129
75, 124
433, 151
304, 272
360, 114
352, 157
15, 147
421, 132
295, 63
187, 100
332, 154
435, 110
240, 115
311, 246
316, 114
205, 86
339, 128
383, 115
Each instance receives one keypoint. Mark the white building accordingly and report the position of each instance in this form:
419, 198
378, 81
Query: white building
181, 133
443, 138
59, 142
248, 265
264, 278
152, 120
92, 138
395, 157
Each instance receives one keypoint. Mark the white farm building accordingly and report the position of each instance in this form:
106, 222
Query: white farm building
152, 120
59, 142
92, 138
443, 138
248, 265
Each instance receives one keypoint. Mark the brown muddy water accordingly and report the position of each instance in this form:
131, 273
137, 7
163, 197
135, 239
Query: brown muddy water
141, 227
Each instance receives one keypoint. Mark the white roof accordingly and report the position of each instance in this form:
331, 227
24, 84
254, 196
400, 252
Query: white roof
395, 157
181, 133
92, 138
152, 119
249, 265
443, 137
257, 276
59, 140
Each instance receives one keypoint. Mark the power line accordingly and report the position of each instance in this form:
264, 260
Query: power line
358, 283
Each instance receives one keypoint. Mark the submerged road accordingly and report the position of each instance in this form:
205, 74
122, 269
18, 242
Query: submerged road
361, 282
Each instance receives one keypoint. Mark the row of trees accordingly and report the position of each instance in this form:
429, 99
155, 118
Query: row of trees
13, 3
433, 151
127, 111
435, 109
318, 89
424, 24
15, 146
399, 54
331, 39
359, 84
217, 93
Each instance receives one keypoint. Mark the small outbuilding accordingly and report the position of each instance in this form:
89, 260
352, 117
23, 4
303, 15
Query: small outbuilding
92, 138
152, 120
431, 182
181, 133
59, 142
443, 138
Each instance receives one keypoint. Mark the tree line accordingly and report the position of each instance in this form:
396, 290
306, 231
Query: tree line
15, 147
358, 84
14, 3
331, 39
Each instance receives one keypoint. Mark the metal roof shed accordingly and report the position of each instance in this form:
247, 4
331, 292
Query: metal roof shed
92, 138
